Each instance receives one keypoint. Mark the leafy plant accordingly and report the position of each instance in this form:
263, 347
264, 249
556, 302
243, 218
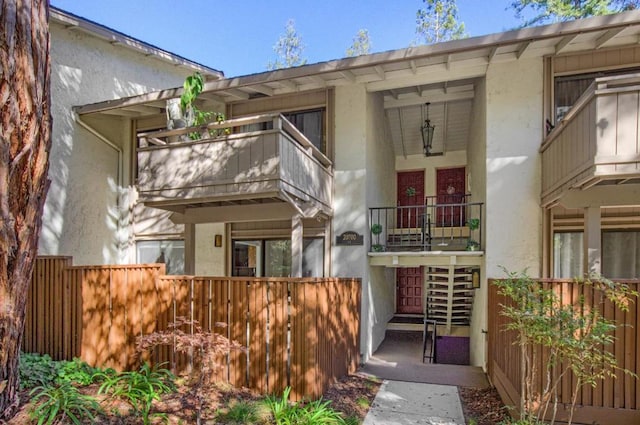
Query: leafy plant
574, 337
243, 412
472, 244
376, 228
37, 370
192, 87
473, 223
309, 413
56, 404
205, 349
139, 388
377, 247
411, 191
76, 371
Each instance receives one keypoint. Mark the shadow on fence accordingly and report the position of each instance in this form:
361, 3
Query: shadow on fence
299, 332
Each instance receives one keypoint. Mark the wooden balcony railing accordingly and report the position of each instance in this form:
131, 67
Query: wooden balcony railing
231, 163
597, 140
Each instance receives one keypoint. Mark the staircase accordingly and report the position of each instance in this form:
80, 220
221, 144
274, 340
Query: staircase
449, 296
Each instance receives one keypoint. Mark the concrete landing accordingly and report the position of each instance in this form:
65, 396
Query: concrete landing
411, 403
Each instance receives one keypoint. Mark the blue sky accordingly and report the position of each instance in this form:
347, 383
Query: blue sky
237, 37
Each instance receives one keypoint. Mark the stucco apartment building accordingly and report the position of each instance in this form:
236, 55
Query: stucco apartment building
322, 170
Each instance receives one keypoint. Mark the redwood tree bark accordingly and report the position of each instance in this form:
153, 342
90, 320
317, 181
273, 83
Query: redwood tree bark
25, 140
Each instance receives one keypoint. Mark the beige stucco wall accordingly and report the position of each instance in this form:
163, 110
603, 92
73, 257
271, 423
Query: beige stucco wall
380, 192
514, 131
364, 177
477, 187
209, 258
86, 211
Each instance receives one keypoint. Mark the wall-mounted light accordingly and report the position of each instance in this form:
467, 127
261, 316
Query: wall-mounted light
475, 278
217, 241
427, 130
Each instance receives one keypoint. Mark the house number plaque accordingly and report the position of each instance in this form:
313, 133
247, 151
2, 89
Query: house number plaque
350, 238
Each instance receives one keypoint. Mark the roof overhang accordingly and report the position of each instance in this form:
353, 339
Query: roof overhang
77, 23
410, 68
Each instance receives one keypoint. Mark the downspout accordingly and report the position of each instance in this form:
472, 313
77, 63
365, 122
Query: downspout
119, 171
109, 143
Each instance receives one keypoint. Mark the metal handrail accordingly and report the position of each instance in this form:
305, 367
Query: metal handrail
425, 227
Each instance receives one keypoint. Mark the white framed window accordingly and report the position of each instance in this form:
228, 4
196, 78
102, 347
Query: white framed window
169, 252
621, 254
567, 255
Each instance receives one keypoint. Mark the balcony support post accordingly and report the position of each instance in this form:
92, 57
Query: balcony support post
297, 232
190, 249
592, 240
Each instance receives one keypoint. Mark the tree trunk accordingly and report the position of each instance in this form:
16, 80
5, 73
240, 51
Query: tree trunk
25, 140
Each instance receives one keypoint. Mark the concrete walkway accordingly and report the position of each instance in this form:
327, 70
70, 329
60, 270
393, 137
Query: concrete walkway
411, 403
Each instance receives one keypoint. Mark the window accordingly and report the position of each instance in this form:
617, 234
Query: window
621, 254
568, 89
169, 252
311, 124
567, 255
272, 257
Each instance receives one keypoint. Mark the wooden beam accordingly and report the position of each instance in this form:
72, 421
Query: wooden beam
349, 76
602, 40
235, 93
289, 85
236, 213
492, 53
378, 69
565, 42
413, 66
261, 88
523, 48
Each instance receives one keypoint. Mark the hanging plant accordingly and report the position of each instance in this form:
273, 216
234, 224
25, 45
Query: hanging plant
411, 191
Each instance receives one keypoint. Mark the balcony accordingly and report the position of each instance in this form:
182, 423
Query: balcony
229, 165
450, 226
597, 142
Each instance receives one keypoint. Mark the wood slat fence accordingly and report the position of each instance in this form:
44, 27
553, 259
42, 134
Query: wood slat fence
299, 332
613, 400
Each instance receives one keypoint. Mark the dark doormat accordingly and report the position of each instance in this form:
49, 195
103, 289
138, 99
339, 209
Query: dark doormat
452, 350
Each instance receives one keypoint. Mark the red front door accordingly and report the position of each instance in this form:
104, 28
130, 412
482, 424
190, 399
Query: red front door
410, 194
409, 290
450, 189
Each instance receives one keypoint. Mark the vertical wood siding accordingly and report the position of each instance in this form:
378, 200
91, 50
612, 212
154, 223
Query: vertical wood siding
613, 400
299, 332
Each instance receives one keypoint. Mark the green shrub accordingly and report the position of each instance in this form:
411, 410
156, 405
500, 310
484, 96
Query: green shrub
37, 370
76, 371
310, 413
139, 388
243, 412
57, 404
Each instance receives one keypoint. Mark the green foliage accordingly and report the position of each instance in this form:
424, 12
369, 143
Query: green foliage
361, 44
62, 403
192, 86
544, 11
243, 412
289, 49
574, 337
76, 371
37, 370
473, 223
376, 228
438, 21
42, 370
139, 388
310, 413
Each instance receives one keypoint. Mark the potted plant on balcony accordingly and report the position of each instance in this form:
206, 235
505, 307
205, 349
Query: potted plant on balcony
376, 230
472, 244
183, 112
